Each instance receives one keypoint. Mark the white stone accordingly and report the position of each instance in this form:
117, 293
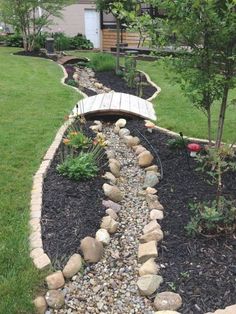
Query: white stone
103, 236
112, 192
73, 266
55, 299
151, 226
55, 280
112, 213
145, 159
109, 224
123, 133
131, 140
167, 301
156, 214
149, 268
40, 305
156, 235
148, 284
146, 251
120, 123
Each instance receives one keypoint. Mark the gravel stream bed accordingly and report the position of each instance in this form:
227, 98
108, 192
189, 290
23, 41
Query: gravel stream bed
110, 285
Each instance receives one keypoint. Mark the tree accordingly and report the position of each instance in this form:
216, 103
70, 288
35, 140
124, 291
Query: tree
26, 19
207, 29
121, 10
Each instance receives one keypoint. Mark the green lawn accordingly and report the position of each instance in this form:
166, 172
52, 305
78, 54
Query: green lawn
33, 104
175, 111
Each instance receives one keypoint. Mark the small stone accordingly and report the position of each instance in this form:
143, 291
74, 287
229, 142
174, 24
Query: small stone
110, 154
151, 226
167, 301
55, 280
151, 179
73, 266
97, 122
156, 235
123, 133
40, 305
121, 123
112, 213
92, 249
153, 202
109, 176
115, 161
115, 170
131, 140
148, 284
152, 168
98, 85
151, 190
145, 159
146, 251
149, 268
109, 224
103, 236
139, 149
116, 129
96, 128
110, 204
112, 192
156, 214
55, 299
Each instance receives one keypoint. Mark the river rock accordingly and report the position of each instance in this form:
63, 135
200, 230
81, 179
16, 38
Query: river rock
151, 191
149, 268
148, 284
151, 226
131, 140
156, 235
146, 251
40, 305
167, 301
109, 224
73, 266
55, 280
123, 133
153, 202
145, 159
112, 213
110, 154
112, 192
152, 168
156, 214
55, 299
110, 204
115, 161
92, 249
96, 128
151, 179
109, 176
121, 123
103, 236
116, 129
115, 169
139, 149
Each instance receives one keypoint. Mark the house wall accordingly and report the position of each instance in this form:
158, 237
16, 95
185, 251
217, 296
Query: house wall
72, 21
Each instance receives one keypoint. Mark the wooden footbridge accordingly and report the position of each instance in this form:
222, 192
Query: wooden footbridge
115, 104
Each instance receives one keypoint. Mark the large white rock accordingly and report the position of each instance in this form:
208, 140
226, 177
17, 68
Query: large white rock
112, 192
92, 249
156, 214
103, 236
149, 268
146, 251
148, 284
55, 280
167, 301
123, 133
109, 224
73, 266
145, 159
121, 123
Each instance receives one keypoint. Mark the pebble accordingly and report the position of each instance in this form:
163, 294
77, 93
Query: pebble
167, 301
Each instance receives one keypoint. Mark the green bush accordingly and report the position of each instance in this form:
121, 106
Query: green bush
14, 41
63, 42
102, 62
79, 168
177, 143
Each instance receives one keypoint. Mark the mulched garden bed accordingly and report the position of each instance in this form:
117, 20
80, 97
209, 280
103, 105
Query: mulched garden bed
118, 84
201, 269
71, 210
37, 54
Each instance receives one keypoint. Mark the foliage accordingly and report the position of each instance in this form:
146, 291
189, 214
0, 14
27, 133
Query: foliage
63, 42
71, 82
177, 143
207, 30
77, 140
81, 167
102, 62
14, 40
28, 19
130, 70
209, 218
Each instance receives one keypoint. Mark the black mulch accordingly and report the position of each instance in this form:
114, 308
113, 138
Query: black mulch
37, 54
118, 84
71, 211
201, 269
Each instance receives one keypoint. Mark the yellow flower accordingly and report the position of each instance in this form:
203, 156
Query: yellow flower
66, 141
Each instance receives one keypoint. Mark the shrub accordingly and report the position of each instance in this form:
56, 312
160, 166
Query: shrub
102, 62
14, 41
79, 168
130, 71
71, 82
177, 143
63, 42
76, 139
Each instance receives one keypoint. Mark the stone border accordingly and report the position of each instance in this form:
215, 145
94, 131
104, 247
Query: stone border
158, 89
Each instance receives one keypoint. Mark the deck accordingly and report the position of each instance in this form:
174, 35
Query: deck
115, 104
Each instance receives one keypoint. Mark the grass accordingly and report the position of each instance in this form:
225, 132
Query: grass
174, 110
32, 106
101, 62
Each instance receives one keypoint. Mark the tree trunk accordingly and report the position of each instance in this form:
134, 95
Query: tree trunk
209, 125
222, 115
117, 46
